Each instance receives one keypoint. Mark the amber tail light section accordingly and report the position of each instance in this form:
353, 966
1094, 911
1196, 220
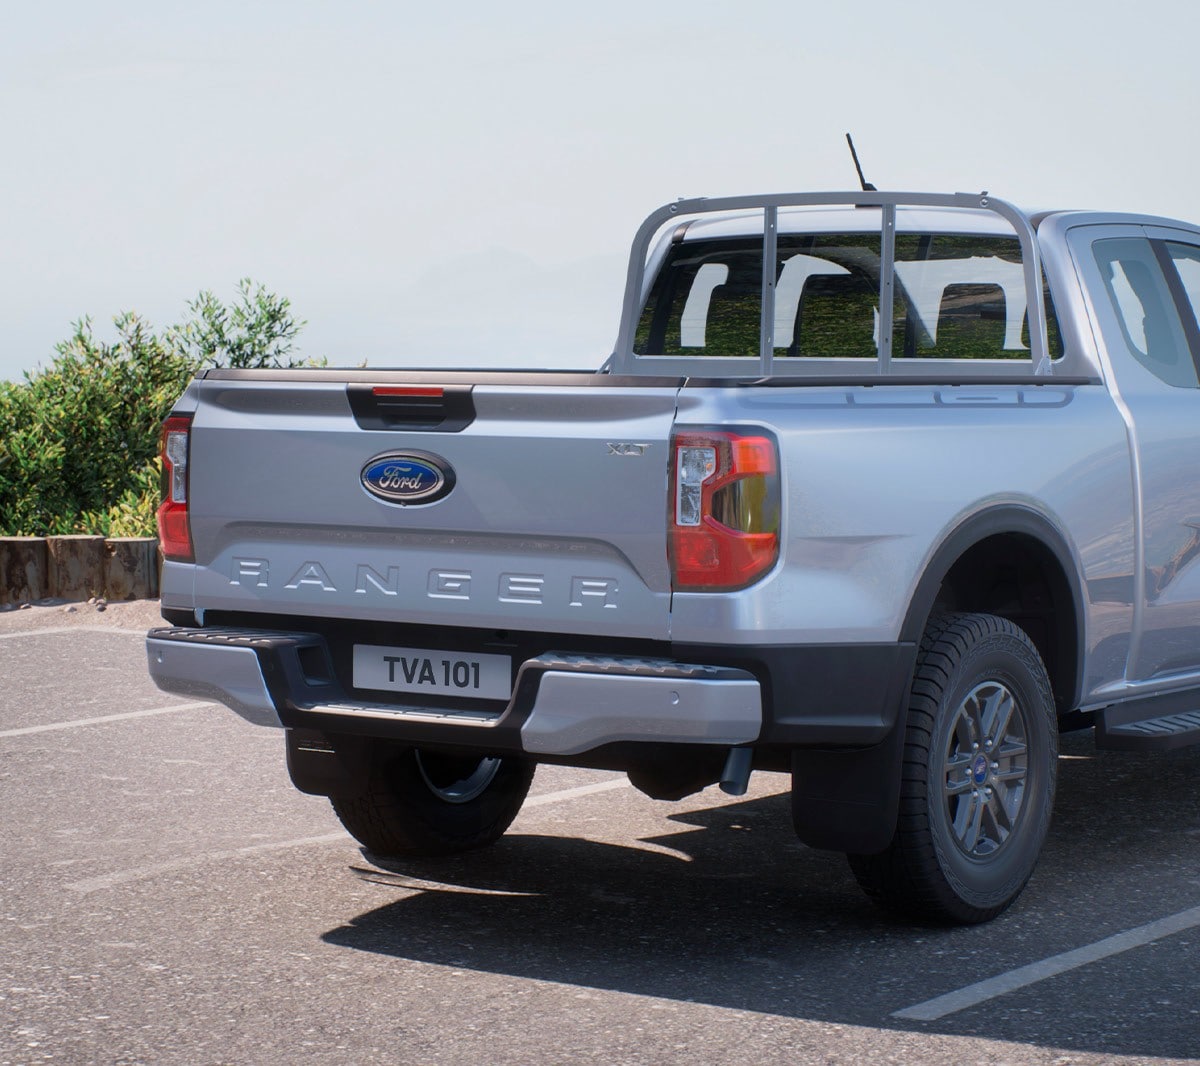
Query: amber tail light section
723, 532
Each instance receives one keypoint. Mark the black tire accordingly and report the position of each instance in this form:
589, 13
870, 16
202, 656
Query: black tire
427, 803
977, 784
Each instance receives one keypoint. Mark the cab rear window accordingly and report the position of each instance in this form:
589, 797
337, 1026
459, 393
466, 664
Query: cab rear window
955, 297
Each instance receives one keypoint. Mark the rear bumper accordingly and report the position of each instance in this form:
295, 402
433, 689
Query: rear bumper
562, 705
831, 710
214, 666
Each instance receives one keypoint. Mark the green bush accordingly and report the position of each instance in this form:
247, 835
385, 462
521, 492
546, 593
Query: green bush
79, 439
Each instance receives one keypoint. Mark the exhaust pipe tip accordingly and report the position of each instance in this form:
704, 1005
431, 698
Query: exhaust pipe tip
735, 778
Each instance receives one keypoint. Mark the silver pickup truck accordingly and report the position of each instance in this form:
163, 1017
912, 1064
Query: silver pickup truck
882, 490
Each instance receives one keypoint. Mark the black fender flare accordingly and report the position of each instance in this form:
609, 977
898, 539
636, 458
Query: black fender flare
996, 521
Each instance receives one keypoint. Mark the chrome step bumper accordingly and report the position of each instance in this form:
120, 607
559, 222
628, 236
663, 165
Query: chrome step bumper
560, 704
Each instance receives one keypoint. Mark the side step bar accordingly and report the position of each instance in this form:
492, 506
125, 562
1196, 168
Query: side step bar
1161, 724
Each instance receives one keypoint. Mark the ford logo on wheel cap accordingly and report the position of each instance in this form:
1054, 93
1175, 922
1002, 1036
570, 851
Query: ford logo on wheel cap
407, 477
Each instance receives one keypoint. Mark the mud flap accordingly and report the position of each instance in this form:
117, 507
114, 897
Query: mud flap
322, 765
847, 799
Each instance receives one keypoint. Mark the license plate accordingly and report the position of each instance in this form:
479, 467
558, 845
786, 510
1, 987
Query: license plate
434, 673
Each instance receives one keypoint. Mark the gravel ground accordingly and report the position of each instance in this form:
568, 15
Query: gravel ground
53, 614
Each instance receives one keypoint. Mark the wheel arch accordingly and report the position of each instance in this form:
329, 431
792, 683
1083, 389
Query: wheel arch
1011, 561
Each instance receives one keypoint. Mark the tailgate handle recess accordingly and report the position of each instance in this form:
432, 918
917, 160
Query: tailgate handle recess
432, 408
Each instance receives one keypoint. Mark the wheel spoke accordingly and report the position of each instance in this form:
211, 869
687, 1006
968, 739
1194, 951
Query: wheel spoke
957, 788
967, 820
1013, 773
961, 738
1010, 750
976, 826
958, 774
1001, 811
996, 826
998, 713
972, 712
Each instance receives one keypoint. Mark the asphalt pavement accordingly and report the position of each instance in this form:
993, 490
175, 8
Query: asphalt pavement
166, 896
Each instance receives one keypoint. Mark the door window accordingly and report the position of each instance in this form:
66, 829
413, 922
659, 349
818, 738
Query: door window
1151, 329
1186, 260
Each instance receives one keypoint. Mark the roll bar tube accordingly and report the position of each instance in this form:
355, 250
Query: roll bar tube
624, 361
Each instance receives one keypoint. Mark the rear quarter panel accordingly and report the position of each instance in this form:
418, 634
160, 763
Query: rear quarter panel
874, 479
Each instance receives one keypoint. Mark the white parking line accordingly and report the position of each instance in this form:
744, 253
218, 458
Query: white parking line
53, 727
952, 1002
571, 793
53, 631
139, 873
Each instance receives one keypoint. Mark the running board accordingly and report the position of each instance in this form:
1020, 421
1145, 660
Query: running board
1161, 724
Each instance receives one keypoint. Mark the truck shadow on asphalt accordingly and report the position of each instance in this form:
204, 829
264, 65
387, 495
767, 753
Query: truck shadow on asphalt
738, 915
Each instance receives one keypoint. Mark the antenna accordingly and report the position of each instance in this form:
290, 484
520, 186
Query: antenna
866, 185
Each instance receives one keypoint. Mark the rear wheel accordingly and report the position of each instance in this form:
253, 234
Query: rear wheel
429, 803
977, 784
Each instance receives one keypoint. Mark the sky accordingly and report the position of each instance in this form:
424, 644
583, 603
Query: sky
458, 184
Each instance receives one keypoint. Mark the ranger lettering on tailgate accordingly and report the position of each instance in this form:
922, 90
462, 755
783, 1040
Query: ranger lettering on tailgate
440, 584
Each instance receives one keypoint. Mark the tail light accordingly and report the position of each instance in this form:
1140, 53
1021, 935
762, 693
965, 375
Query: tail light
724, 528
174, 529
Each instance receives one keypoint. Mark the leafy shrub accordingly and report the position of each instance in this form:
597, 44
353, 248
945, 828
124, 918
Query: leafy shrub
79, 438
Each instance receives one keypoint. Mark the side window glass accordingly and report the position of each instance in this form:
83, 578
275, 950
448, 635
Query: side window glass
1186, 258
1150, 328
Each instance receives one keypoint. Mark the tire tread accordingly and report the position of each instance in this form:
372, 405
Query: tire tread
395, 816
908, 879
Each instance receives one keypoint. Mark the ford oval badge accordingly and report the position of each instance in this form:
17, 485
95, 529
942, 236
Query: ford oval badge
407, 477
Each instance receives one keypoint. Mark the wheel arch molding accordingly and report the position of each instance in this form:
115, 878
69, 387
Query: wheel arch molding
1012, 561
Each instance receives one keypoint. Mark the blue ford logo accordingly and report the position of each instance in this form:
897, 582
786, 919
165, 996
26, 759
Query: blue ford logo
979, 769
407, 477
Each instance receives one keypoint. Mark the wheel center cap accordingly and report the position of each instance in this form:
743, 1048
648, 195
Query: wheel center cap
979, 769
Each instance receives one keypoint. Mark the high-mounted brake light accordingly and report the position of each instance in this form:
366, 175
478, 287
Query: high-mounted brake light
430, 392
724, 529
174, 528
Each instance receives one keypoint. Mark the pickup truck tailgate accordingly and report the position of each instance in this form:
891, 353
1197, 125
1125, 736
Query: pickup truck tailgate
555, 522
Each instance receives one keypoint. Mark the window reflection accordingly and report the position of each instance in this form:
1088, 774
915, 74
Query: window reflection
956, 297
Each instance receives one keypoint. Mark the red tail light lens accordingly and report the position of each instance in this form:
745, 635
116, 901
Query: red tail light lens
724, 528
174, 529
